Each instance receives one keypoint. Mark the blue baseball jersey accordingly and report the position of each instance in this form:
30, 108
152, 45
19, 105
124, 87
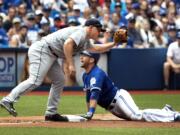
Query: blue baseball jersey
97, 81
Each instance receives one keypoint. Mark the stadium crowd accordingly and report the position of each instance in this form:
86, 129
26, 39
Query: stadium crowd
150, 23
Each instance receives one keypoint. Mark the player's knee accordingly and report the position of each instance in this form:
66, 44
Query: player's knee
166, 65
34, 82
137, 116
59, 84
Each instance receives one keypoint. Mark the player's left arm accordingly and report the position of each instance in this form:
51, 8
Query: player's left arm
120, 36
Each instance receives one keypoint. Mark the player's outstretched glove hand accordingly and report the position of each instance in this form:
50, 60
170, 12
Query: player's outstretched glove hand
120, 36
87, 116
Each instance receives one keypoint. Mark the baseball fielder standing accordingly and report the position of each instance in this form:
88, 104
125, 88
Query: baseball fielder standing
43, 57
102, 91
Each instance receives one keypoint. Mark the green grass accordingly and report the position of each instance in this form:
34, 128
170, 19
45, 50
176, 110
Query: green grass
36, 105
89, 131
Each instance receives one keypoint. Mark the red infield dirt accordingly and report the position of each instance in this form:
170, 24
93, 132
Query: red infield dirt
99, 120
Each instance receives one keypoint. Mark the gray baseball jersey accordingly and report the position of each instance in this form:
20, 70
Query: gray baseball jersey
56, 40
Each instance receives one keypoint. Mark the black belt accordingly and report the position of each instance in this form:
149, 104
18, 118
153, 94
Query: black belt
52, 51
111, 106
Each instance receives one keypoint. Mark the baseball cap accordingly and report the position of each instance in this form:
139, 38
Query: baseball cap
47, 8
96, 56
16, 20
95, 23
136, 5
76, 8
118, 4
171, 27
163, 11
31, 16
178, 34
38, 12
23, 25
44, 21
57, 17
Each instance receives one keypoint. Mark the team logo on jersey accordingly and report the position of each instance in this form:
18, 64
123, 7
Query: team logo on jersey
93, 81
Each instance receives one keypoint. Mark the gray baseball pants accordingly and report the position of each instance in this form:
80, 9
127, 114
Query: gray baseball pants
42, 62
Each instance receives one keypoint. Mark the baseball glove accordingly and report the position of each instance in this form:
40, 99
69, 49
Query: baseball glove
120, 36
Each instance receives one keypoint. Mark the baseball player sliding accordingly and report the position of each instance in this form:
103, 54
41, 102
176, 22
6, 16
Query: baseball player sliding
101, 90
43, 57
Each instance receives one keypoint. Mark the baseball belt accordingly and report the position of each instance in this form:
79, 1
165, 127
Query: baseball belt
52, 51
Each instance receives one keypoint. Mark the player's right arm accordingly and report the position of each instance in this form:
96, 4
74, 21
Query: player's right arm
68, 52
91, 100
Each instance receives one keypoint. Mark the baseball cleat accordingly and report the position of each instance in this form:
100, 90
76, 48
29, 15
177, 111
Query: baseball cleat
9, 107
56, 118
169, 108
177, 117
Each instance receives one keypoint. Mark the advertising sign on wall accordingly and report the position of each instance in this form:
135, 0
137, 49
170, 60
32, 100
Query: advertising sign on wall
7, 70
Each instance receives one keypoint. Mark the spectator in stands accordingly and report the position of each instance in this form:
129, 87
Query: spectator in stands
57, 23
159, 40
32, 27
171, 31
122, 19
22, 11
146, 33
35, 5
70, 5
128, 6
106, 21
15, 28
3, 35
64, 20
46, 14
9, 18
115, 22
38, 17
8, 3
2, 8
82, 4
144, 9
86, 15
164, 21
45, 27
106, 5
173, 60
95, 10
20, 39
77, 14
134, 34
72, 21
107, 36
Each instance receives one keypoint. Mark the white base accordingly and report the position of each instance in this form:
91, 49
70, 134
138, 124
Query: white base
75, 118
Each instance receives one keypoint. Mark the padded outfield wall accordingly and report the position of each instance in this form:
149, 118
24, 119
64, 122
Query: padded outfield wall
133, 69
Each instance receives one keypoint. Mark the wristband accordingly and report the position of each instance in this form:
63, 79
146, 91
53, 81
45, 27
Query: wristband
92, 110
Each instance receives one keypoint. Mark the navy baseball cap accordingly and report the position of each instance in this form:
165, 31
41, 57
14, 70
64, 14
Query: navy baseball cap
136, 5
96, 56
95, 23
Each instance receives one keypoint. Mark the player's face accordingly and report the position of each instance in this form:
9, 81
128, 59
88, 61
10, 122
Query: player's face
85, 60
95, 32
